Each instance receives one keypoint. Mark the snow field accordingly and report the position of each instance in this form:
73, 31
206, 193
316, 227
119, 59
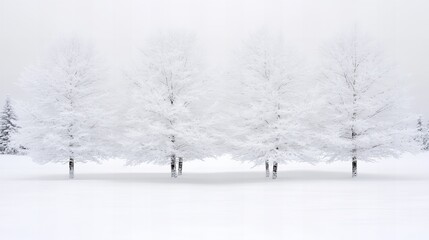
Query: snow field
215, 199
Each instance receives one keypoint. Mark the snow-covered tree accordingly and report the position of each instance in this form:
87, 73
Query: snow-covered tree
166, 124
270, 124
420, 132
65, 120
8, 128
422, 137
426, 138
367, 115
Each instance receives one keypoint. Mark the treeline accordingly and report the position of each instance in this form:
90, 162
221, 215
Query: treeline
274, 111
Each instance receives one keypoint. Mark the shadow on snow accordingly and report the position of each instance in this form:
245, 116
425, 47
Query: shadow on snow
224, 177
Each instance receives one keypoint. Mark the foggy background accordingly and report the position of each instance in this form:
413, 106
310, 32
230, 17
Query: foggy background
119, 28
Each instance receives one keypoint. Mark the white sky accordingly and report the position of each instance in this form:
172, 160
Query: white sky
118, 28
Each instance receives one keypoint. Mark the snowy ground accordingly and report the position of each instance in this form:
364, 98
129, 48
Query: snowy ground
216, 199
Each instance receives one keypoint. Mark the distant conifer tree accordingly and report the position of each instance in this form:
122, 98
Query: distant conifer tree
8, 127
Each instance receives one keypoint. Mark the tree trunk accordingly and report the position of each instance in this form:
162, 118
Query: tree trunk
274, 170
173, 166
354, 166
267, 168
180, 166
71, 168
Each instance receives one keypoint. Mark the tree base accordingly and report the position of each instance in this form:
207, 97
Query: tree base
267, 169
354, 167
71, 168
274, 170
173, 166
180, 166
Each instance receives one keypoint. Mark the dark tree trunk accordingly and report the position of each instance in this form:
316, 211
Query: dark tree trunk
267, 168
274, 170
354, 166
71, 168
173, 166
180, 166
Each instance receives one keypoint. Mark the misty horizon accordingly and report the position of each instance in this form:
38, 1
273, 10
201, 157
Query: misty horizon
118, 31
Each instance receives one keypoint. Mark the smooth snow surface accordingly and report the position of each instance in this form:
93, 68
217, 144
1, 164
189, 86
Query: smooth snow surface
215, 199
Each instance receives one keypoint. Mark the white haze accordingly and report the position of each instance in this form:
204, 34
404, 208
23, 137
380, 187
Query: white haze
119, 28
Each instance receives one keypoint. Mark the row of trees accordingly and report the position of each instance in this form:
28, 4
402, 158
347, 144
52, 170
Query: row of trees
276, 112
